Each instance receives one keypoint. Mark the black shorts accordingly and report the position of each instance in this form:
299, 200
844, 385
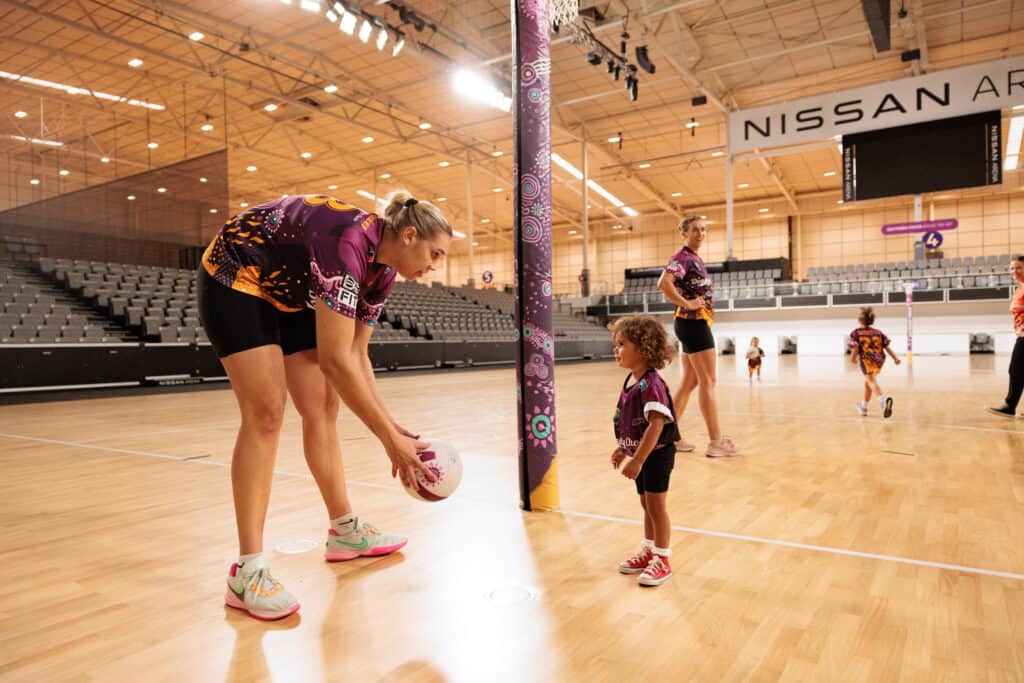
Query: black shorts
236, 321
657, 470
694, 335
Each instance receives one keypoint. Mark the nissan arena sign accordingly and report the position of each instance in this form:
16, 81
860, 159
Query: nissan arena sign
939, 95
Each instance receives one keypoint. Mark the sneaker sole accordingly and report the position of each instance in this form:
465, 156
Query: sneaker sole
1000, 413
888, 408
715, 454
688, 448
345, 555
628, 570
654, 582
231, 600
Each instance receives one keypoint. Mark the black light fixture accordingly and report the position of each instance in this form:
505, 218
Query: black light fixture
622, 43
618, 70
611, 66
643, 60
699, 100
634, 90
594, 57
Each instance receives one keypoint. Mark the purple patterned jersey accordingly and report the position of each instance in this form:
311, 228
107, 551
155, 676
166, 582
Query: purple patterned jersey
648, 395
692, 280
870, 344
295, 250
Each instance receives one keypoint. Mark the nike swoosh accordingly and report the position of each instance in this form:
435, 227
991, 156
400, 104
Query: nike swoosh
238, 594
362, 545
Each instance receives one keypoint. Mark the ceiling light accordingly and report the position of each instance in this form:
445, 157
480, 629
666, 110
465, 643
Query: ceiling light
840, 201
399, 44
762, 210
473, 86
34, 181
213, 210
37, 141
104, 160
368, 139
442, 199
476, 244
1018, 107
458, 234
130, 198
717, 154
331, 16
572, 232
331, 88
20, 114
643, 165
306, 155
367, 195
485, 220
135, 63
743, 186
575, 173
270, 107
206, 127
829, 174
196, 35
74, 90
310, 5
365, 30
153, 145
250, 169
161, 190
244, 205
65, 171
332, 187
348, 22
424, 126
202, 179
615, 138
385, 176
677, 194
630, 212
692, 123
617, 226
497, 153
443, 164
284, 196
382, 38
496, 189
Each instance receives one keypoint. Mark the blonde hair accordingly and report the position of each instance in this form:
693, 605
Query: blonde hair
404, 210
688, 221
649, 336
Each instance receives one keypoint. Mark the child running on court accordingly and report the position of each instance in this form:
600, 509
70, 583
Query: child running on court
868, 346
645, 428
754, 355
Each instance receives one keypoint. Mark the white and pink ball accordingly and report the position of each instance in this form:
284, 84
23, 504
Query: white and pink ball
442, 460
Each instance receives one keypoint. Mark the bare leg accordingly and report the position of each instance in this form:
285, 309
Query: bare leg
657, 512
705, 365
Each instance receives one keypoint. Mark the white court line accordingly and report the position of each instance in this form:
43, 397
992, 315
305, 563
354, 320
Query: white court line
806, 546
571, 513
907, 423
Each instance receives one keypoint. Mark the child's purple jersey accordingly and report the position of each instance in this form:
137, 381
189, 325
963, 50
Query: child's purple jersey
636, 402
870, 344
692, 280
295, 250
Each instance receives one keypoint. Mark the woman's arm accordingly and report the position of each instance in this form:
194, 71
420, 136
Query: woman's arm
342, 365
666, 284
361, 347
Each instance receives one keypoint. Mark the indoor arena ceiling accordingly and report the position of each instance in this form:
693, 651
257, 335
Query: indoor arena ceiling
395, 121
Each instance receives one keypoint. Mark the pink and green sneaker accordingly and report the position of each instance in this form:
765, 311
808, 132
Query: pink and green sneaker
252, 589
363, 540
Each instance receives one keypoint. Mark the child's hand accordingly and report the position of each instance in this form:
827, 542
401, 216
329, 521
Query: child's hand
896, 360
632, 468
617, 457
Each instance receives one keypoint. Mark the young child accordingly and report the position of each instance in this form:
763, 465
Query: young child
645, 428
754, 355
868, 346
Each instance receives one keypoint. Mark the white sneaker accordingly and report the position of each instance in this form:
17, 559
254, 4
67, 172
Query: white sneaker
364, 540
684, 446
251, 588
886, 402
862, 408
722, 448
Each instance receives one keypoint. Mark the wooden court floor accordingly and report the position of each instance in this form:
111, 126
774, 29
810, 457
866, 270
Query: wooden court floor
838, 548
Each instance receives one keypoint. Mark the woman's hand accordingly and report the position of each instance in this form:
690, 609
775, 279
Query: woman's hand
617, 457
405, 459
694, 304
404, 432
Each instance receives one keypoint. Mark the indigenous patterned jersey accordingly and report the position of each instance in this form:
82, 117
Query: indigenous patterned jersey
295, 250
636, 402
692, 280
870, 344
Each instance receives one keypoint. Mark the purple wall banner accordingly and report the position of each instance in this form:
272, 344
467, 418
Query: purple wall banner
919, 226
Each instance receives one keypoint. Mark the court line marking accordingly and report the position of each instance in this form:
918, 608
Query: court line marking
904, 423
807, 546
588, 515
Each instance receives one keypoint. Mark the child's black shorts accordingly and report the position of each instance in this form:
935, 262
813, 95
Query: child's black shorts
657, 470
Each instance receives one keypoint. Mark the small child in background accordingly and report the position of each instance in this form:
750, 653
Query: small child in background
868, 347
645, 428
754, 355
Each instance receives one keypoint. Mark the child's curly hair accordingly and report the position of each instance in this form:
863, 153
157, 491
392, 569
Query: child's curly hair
867, 316
649, 337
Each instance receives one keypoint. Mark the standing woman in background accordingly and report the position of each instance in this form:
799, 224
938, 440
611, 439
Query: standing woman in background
289, 293
686, 283
1009, 407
